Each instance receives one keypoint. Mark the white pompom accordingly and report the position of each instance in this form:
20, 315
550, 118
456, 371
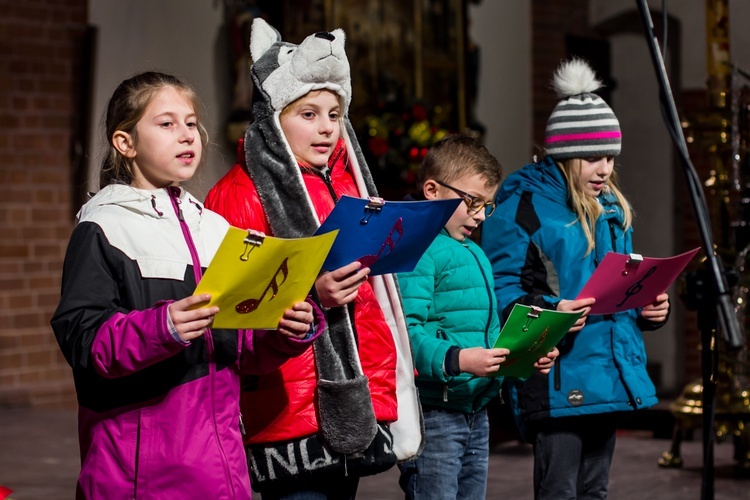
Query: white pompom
575, 77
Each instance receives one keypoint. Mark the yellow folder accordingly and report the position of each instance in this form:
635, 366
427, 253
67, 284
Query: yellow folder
254, 278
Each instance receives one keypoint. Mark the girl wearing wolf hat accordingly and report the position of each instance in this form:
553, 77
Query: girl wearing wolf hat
348, 406
555, 221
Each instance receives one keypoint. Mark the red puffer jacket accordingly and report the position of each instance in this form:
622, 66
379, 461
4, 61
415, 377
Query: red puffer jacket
282, 406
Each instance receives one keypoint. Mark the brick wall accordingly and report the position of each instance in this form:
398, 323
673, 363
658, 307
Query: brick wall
40, 76
552, 22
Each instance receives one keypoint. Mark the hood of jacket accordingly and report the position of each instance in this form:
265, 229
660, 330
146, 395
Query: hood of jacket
149, 203
542, 178
132, 219
545, 180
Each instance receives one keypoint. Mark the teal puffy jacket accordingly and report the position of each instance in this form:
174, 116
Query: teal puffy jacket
538, 255
449, 301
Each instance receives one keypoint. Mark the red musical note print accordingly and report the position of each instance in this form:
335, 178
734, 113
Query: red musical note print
250, 305
389, 244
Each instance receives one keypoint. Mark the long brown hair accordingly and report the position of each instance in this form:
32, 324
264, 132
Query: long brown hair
126, 107
586, 207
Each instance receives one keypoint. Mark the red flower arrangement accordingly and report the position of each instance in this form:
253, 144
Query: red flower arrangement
396, 142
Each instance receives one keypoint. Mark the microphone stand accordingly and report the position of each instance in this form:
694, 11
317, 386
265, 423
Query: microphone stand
723, 310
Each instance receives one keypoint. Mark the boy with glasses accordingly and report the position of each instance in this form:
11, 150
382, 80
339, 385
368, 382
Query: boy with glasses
451, 313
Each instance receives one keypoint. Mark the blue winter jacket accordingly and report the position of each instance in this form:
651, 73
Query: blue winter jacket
538, 253
449, 301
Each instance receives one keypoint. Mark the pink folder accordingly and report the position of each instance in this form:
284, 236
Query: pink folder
623, 282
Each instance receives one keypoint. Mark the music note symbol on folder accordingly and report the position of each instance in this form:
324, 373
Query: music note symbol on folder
636, 287
250, 305
389, 244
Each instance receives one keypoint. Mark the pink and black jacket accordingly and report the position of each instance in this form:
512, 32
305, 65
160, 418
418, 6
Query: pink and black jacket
158, 418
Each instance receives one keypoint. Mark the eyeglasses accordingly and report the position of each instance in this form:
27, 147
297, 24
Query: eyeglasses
474, 203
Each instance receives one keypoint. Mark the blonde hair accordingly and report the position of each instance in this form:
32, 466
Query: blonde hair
586, 207
126, 107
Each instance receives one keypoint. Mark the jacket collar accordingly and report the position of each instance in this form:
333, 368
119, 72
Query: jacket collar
155, 203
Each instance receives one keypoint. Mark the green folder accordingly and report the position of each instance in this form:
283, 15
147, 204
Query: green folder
530, 333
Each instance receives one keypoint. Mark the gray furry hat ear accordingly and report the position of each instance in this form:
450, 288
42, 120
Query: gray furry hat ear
582, 125
284, 72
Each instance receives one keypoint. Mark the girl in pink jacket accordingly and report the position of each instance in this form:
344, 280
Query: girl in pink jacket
158, 389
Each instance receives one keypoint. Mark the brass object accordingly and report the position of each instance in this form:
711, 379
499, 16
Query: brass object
732, 418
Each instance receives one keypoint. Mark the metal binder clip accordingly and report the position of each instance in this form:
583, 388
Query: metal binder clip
633, 261
375, 205
531, 316
252, 240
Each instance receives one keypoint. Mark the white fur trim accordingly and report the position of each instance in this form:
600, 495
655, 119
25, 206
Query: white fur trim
407, 429
354, 163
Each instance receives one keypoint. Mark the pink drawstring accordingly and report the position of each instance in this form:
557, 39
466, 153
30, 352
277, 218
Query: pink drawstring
198, 205
153, 204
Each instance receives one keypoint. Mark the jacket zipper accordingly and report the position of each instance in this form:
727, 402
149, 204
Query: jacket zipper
137, 455
614, 248
489, 291
174, 197
441, 333
612, 235
489, 318
325, 175
558, 362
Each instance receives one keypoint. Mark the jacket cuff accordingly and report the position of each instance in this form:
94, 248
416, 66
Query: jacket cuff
172, 329
319, 320
646, 325
451, 364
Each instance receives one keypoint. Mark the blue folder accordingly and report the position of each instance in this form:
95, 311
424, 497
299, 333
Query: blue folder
386, 236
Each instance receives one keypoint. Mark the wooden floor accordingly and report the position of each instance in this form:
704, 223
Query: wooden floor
39, 460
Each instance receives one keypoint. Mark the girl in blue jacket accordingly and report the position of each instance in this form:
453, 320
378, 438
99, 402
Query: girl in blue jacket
555, 221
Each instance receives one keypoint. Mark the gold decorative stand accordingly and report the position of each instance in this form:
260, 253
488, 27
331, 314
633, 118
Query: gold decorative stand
732, 419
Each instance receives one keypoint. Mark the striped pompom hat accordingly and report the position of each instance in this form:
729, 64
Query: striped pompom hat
582, 125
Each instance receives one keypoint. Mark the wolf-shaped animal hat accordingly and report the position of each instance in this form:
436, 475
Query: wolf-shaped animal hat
284, 72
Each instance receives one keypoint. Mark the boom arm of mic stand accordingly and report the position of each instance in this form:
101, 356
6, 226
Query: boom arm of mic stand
724, 309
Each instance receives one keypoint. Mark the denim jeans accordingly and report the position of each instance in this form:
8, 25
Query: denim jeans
323, 488
454, 461
572, 457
